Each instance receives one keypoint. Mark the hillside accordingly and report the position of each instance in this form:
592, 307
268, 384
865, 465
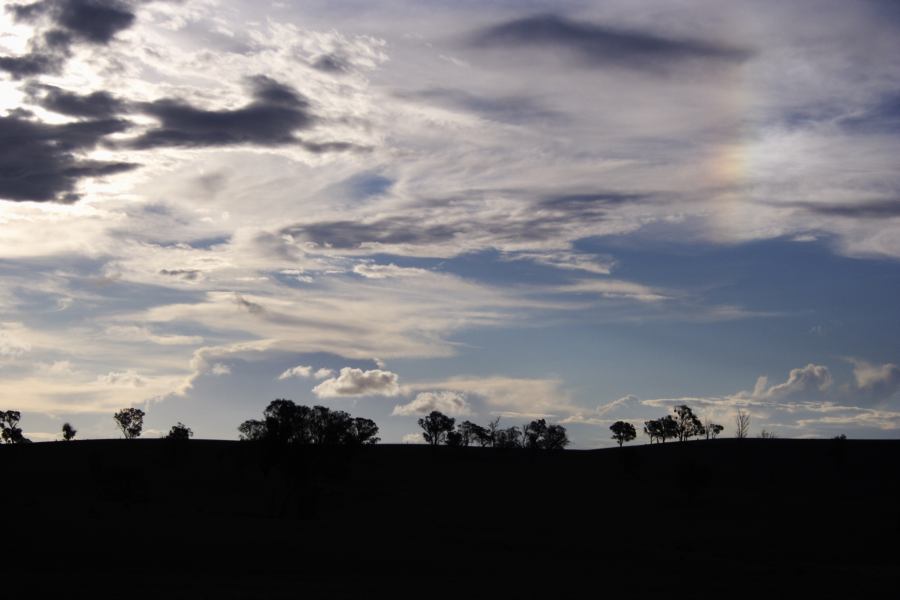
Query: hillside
234, 519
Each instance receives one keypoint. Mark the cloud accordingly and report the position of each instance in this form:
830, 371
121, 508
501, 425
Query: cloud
60, 24
96, 105
298, 371
881, 381
11, 343
95, 21
272, 118
349, 235
137, 333
598, 45
413, 438
375, 271
127, 378
45, 165
356, 382
809, 378
448, 402
524, 398
219, 369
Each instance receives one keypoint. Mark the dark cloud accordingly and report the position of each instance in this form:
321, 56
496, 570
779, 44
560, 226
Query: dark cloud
186, 274
97, 105
39, 161
598, 45
353, 234
58, 25
271, 119
507, 109
331, 63
588, 202
94, 21
878, 209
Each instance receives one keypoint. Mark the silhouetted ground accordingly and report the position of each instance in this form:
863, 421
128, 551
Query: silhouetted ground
215, 519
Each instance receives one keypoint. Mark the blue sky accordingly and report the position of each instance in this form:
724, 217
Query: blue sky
581, 211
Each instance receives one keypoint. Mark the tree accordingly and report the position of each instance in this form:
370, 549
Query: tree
364, 431
713, 429
252, 430
471, 433
287, 423
9, 430
767, 435
130, 421
68, 432
436, 427
538, 434
742, 424
180, 431
623, 432
687, 422
510, 437
661, 429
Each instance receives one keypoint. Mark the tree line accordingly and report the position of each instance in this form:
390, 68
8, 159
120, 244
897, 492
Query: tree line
681, 426
438, 429
288, 423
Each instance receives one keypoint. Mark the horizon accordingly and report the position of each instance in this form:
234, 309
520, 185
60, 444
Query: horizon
578, 211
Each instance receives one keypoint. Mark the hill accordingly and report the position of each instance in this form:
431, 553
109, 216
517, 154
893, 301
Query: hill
234, 519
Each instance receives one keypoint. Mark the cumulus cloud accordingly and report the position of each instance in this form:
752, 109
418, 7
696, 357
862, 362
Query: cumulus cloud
127, 378
809, 378
303, 371
356, 382
448, 402
881, 381
413, 438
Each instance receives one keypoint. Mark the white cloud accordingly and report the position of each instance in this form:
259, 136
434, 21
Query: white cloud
137, 333
448, 402
882, 381
12, 344
220, 369
413, 438
128, 378
809, 378
356, 382
375, 271
303, 371
324, 373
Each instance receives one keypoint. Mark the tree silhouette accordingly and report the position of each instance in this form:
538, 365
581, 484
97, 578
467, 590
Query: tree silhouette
252, 430
287, 423
538, 434
623, 432
9, 430
130, 421
661, 429
713, 430
436, 427
510, 437
470, 433
687, 422
68, 432
180, 431
742, 424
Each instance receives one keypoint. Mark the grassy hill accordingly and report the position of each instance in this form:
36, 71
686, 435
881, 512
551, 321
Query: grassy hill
234, 519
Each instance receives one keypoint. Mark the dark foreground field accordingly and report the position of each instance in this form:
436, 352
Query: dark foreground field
152, 518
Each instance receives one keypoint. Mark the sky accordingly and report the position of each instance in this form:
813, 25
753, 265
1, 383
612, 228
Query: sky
578, 211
